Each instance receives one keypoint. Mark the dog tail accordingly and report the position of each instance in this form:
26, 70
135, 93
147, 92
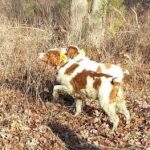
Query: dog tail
116, 88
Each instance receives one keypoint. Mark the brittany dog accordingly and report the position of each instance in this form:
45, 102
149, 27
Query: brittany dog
81, 82
73, 52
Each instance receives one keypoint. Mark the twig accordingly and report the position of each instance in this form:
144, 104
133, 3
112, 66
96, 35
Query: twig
136, 17
23, 27
115, 9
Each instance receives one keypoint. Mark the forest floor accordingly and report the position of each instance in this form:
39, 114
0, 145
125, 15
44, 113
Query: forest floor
30, 123
30, 120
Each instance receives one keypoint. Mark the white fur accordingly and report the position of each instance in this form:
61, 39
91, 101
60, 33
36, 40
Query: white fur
88, 64
115, 70
89, 88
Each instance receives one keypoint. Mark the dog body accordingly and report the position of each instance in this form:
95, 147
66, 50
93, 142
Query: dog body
73, 73
111, 69
73, 52
81, 81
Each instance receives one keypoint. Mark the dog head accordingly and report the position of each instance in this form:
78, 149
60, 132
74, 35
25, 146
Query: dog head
54, 57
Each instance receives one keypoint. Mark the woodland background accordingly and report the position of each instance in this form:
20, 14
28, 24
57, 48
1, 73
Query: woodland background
115, 31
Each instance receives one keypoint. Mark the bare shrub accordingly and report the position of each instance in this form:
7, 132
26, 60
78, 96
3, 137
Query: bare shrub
35, 12
19, 46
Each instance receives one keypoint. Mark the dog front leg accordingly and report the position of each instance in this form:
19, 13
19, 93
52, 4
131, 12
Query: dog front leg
78, 107
59, 89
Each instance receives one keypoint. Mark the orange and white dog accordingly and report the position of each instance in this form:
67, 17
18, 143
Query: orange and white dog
73, 52
81, 81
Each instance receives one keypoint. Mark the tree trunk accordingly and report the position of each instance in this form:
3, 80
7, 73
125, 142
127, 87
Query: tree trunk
87, 21
96, 21
96, 4
79, 10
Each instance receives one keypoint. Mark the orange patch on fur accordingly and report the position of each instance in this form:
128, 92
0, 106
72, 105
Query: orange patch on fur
114, 93
98, 70
107, 66
53, 58
80, 80
72, 52
71, 69
96, 84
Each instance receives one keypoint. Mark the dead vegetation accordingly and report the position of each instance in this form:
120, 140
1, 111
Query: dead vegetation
28, 118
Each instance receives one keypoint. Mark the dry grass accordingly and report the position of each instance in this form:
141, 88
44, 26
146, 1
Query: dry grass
19, 47
22, 79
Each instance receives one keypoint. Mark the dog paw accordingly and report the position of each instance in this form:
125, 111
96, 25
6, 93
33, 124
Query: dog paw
55, 96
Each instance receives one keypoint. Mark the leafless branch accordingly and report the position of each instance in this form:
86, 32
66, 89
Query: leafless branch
136, 17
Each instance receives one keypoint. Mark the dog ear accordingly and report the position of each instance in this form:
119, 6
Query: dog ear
73, 47
72, 51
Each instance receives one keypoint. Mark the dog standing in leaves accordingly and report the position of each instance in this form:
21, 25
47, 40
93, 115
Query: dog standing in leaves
82, 82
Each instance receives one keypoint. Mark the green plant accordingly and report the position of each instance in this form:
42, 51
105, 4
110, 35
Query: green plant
116, 9
29, 8
63, 4
117, 24
101, 10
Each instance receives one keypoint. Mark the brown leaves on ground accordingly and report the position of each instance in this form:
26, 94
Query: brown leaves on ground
26, 123
23, 123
